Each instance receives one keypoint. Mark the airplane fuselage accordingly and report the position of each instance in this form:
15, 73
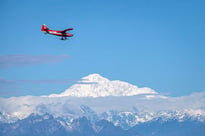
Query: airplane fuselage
62, 33
59, 33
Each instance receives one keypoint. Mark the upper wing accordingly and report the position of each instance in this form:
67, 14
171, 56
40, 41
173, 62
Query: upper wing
67, 30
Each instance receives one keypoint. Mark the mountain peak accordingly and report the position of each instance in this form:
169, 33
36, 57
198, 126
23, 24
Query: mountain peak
94, 85
94, 78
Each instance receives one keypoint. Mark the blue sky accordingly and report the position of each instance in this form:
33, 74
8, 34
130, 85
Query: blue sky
157, 44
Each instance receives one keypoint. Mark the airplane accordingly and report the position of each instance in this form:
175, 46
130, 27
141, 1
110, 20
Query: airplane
62, 33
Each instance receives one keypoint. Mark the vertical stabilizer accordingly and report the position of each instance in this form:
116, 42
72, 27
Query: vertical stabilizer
44, 28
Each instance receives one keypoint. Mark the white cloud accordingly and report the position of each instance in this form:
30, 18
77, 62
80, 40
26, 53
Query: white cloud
144, 105
8, 61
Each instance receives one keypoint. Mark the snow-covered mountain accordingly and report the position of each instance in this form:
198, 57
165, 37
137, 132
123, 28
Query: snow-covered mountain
47, 125
95, 85
98, 98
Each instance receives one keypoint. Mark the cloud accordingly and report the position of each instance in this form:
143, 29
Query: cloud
10, 93
48, 81
6, 82
84, 81
8, 61
16, 87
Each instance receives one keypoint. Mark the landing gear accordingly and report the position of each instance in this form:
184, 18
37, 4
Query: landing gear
63, 38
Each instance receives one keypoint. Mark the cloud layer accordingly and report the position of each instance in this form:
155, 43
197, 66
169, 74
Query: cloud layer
17, 87
8, 61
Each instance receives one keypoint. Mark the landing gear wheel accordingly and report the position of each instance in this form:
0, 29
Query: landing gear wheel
63, 38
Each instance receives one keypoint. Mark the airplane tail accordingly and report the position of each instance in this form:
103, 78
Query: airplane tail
44, 28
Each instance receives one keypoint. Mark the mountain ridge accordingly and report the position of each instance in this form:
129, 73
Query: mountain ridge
122, 110
95, 85
47, 125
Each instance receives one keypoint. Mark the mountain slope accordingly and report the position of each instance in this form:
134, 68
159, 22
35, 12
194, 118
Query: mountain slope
34, 125
170, 127
47, 125
95, 85
98, 98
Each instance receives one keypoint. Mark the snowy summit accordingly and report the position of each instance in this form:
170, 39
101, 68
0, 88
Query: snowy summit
94, 85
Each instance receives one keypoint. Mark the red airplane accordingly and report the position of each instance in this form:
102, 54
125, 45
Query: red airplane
62, 33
